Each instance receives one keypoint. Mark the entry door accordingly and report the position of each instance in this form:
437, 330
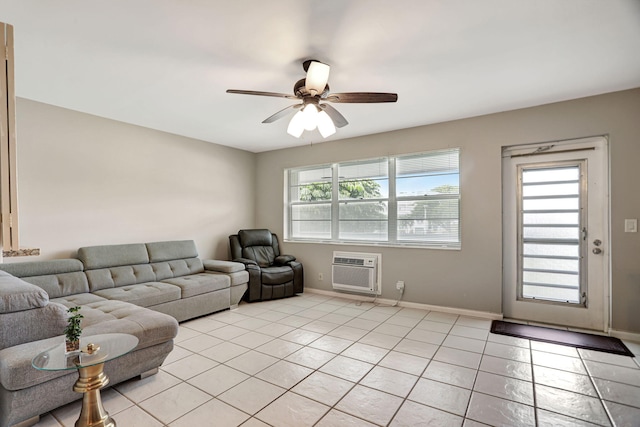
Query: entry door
555, 233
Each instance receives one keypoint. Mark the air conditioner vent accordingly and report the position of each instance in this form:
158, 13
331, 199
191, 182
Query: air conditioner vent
356, 272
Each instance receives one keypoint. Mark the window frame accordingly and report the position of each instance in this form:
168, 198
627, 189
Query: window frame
391, 199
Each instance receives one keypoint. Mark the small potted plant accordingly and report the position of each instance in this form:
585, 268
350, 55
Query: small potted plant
73, 330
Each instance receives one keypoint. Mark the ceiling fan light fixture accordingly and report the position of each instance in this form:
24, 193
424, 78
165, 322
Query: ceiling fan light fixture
317, 77
296, 125
310, 115
325, 125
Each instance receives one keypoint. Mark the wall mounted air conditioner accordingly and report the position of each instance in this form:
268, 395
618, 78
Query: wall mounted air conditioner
357, 272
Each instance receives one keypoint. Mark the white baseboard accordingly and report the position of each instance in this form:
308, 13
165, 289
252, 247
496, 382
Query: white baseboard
419, 306
623, 335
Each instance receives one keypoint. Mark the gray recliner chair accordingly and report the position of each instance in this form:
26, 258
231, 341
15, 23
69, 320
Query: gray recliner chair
271, 275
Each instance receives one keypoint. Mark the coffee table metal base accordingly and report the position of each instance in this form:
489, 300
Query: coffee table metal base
91, 380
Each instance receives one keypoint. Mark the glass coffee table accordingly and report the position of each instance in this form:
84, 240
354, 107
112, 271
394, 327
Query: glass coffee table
95, 351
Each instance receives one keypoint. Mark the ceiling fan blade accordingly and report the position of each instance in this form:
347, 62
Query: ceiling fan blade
255, 92
338, 119
280, 114
362, 97
317, 77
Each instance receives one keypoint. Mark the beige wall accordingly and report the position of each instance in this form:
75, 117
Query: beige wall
471, 278
84, 180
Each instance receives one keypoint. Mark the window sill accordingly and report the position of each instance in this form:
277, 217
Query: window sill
377, 244
21, 252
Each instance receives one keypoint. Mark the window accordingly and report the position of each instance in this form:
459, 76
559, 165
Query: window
404, 200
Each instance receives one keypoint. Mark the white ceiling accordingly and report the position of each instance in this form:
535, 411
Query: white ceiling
165, 64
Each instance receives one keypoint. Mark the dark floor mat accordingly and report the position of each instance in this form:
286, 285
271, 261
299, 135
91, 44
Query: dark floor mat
556, 336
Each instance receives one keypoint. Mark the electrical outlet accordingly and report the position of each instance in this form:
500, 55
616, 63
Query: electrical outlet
320, 277
400, 285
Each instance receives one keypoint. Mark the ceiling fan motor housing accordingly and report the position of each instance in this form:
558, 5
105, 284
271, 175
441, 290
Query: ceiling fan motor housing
300, 89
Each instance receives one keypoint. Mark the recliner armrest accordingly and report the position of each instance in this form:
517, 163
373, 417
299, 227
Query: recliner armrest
284, 259
246, 261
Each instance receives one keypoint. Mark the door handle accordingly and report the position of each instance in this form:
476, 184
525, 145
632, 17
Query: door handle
597, 251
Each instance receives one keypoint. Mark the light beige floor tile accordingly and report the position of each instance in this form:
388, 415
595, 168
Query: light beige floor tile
251, 395
275, 329
228, 332
474, 322
324, 388
504, 387
365, 352
189, 367
365, 324
374, 316
441, 317
565, 380
252, 323
300, 336
557, 361
507, 351
414, 313
398, 320
552, 419
621, 374
218, 380
506, 367
284, 374
214, 412
348, 333
369, 404
135, 417
279, 348
138, 390
173, 403
338, 319
319, 326
331, 344
427, 336
347, 368
469, 332
554, 348
185, 333
404, 362
271, 316
612, 359
623, 415
618, 392
310, 357
199, 343
380, 340
294, 321
572, 404
462, 343
251, 339
415, 414
335, 418
430, 325
203, 324
499, 412
458, 357
389, 381
416, 348
251, 362
442, 396
291, 409
224, 351
450, 374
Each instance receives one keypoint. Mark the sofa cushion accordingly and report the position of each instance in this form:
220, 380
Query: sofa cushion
177, 249
196, 284
125, 275
18, 295
25, 326
222, 266
94, 257
176, 268
143, 294
237, 278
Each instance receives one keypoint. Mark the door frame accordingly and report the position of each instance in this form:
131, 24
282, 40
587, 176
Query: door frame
510, 215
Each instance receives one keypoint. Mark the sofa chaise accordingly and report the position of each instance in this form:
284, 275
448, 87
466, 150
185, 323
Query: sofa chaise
141, 289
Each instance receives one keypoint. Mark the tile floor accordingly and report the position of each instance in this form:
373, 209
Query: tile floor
314, 360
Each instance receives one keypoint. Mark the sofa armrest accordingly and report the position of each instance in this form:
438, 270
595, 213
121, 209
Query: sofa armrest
284, 259
17, 295
222, 266
36, 324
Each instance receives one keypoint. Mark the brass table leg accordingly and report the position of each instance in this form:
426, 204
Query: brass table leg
91, 380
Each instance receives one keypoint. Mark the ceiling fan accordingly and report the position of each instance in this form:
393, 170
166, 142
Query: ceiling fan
313, 111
